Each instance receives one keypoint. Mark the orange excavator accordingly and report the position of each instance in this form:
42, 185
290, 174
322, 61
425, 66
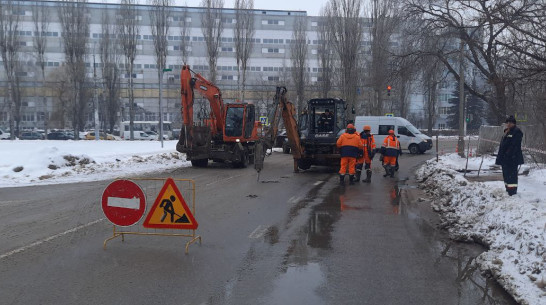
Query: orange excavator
229, 134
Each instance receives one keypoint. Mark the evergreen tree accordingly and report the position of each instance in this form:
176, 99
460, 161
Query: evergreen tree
474, 111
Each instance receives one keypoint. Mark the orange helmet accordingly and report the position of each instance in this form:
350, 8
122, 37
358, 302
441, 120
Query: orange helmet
350, 126
391, 132
367, 128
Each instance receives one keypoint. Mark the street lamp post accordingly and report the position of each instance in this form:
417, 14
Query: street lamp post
161, 104
95, 102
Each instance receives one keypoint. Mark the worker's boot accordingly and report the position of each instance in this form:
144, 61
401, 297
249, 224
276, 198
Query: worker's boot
341, 179
387, 170
358, 174
368, 176
392, 169
352, 179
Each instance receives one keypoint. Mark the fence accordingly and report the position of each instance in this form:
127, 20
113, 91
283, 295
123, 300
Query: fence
533, 143
151, 188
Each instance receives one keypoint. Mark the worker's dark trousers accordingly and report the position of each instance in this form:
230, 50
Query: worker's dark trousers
510, 176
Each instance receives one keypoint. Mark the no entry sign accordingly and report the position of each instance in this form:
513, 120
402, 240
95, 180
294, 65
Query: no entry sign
123, 203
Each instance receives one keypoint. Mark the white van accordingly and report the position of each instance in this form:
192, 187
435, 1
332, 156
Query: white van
410, 137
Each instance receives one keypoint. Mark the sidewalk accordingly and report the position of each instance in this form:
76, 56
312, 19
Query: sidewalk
478, 209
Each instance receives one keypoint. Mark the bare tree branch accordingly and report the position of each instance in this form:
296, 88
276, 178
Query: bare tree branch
74, 19
40, 19
244, 40
298, 54
10, 50
212, 27
128, 30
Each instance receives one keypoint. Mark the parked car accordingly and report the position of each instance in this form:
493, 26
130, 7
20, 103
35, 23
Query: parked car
4, 135
153, 135
59, 136
31, 135
138, 135
102, 136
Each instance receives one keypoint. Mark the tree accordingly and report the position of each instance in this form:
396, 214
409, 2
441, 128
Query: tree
110, 59
185, 42
433, 75
473, 113
40, 18
244, 40
212, 27
10, 51
325, 52
159, 19
62, 95
128, 30
346, 26
75, 34
481, 27
384, 18
298, 55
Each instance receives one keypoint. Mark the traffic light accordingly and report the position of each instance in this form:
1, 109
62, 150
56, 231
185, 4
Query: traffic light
389, 90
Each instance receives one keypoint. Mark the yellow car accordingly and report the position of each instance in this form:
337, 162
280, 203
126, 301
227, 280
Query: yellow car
91, 136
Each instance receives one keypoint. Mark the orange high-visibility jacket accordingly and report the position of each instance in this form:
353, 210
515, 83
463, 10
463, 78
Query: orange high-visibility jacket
369, 144
391, 146
350, 145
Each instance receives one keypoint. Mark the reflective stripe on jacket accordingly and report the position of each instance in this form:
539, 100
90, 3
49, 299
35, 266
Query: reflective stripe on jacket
349, 145
391, 146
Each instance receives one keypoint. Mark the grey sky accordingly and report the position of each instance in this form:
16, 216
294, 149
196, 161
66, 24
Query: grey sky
311, 6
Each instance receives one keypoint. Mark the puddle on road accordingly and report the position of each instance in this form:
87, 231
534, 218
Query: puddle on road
301, 275
298, 285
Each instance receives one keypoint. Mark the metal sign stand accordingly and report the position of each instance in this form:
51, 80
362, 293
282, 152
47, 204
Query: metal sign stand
118, 231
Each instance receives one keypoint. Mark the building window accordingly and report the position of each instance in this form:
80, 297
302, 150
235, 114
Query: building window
442, 126
443, 110
274, 41
28, 117
227, 49
272, 22
273, 50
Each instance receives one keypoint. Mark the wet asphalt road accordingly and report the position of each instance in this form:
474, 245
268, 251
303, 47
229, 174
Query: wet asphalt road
290, 239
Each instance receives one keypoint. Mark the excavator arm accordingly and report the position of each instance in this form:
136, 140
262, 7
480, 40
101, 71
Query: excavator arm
286, 110
190, 82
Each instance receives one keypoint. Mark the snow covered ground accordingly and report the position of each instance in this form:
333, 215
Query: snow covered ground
479, 209
34, 162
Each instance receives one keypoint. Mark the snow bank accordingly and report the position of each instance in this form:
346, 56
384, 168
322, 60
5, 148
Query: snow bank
47, 162
512, 228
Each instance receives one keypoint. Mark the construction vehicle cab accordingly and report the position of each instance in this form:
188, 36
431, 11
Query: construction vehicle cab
319, 127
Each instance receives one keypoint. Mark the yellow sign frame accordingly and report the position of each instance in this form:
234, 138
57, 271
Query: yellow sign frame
118, 232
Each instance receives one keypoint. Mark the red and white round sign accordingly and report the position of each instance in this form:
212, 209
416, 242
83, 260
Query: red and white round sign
123, 203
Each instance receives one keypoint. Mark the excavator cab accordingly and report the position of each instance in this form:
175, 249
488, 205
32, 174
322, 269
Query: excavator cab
240, 122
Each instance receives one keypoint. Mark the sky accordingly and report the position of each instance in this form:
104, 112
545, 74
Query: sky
311, 6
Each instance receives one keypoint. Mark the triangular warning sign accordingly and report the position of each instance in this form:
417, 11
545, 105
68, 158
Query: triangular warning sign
170, 210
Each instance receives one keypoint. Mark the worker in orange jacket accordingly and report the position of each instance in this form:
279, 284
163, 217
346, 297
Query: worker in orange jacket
389, 153
368, 141
350, 148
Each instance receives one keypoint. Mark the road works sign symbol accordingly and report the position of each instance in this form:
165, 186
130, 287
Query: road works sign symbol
123, 203
170, 210
264, 120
